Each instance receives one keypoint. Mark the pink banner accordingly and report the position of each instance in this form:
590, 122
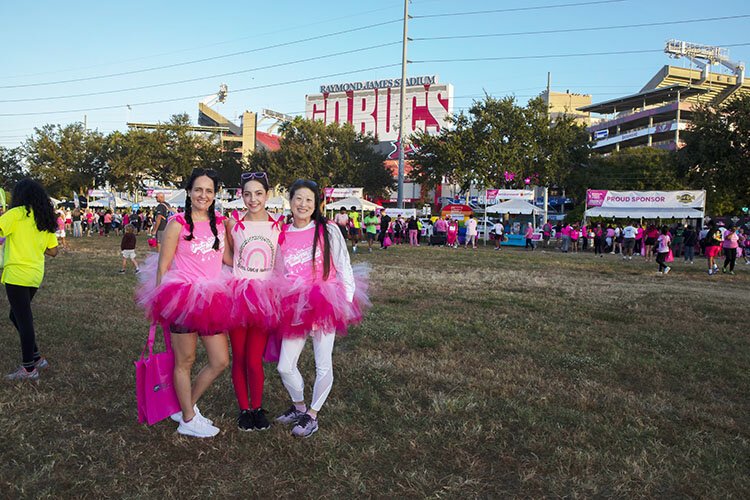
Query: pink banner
595, 197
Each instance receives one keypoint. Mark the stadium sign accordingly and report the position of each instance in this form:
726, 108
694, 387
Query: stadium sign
372, 107
378, 84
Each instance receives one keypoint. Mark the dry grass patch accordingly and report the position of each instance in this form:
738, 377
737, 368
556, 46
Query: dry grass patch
479, 374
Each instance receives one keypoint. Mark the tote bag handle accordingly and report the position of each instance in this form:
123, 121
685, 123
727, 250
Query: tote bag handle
152, 338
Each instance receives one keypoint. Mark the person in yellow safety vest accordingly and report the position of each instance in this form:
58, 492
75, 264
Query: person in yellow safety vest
355, 228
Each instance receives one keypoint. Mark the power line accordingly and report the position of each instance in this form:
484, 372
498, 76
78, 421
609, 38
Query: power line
189, 49
185, 98
190, 80
519, 9
552, 56
578, 30
195, 61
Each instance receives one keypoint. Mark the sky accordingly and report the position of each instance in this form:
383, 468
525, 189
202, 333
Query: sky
54, 51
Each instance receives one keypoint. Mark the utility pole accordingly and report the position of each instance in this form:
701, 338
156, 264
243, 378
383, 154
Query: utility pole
401, 116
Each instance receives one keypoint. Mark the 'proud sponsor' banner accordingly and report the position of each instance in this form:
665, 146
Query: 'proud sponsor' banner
645, 199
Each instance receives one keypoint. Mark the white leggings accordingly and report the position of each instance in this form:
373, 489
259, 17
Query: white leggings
292, 378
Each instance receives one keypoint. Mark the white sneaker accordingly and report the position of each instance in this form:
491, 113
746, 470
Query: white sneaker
197, 427
177, 417
667, 269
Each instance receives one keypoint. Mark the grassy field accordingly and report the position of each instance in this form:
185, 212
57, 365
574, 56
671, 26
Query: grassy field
476, 374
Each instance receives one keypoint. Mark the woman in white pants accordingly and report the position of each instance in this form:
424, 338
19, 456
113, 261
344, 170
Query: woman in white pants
321, 300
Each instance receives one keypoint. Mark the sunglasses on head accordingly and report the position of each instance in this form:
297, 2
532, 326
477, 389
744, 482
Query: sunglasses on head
246, 176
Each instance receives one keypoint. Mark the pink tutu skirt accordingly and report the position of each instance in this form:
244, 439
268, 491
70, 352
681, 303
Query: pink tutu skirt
255, 303
203, 306
322, 306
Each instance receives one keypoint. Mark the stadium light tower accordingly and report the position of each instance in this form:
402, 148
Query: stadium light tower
220, 96
704, 56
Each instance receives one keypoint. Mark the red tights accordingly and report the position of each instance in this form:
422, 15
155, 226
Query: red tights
247, 365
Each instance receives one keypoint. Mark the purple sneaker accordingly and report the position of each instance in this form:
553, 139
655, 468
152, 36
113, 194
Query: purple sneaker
306, 426
290, 416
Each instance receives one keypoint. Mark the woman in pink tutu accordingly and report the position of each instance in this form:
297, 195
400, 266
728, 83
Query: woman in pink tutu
187, 291
321, 299
251, 251
452, 236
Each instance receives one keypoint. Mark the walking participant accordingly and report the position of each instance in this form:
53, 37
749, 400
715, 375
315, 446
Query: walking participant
471, 232
730, 245
529, 235
355, 228
60, 231
28, 228
342, 221
663, 243
251, 251
499, 231
712, 244
385, 223
690, 238
452, 235
628, 237
370, 229
322, 300
413, 227
127, 249
188, 292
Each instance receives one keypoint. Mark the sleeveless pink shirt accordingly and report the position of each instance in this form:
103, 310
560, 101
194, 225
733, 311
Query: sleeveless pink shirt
197, 257
255, 246
296, 254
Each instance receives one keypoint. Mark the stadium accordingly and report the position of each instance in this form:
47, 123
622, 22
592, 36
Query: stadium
657, 114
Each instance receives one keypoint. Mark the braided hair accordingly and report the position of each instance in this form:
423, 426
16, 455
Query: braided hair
211, 174
321, 224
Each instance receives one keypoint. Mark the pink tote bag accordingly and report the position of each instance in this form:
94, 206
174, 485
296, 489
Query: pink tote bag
154, 388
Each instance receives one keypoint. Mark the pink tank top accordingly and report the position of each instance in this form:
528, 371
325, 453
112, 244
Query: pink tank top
255, 246
197, 257
296, 253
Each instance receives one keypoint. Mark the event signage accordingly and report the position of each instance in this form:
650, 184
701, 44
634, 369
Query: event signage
495, 195
403, 212
601, 134
98, 193
373, 107
645, 199
344, 192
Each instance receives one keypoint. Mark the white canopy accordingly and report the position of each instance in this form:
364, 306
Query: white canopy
233, 205
348, 203
178, 200
514, 206
278, 202
54, 201
104, 203
646, 213
148, 202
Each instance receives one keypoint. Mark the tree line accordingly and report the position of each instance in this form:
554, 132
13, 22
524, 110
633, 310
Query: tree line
497, 143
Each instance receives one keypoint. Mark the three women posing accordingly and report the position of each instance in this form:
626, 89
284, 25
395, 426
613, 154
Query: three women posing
287, 283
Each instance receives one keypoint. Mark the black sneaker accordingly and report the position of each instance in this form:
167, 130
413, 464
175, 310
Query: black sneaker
245, 421
260, 422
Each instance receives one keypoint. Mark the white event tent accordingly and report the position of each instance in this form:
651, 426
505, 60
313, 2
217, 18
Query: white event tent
513, 207
359, 203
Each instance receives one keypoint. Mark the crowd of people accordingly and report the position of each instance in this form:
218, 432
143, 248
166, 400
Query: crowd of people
654, 242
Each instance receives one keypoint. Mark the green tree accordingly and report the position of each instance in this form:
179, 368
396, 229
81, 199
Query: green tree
635, 169
332, 155
717, 153
499, 143
11, 170
66, 158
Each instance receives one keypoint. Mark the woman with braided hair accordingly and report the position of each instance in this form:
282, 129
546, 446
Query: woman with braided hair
186, 291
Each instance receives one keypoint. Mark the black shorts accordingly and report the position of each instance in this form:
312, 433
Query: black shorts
370, 236
343, 231
354, 231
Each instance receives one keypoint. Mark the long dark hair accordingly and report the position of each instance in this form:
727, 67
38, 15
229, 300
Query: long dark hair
321, 224
211, 174
30, 194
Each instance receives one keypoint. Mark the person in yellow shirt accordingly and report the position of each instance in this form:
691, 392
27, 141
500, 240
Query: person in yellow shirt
355, 228
29, 232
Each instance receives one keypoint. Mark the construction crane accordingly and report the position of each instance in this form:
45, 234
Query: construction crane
704, 56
